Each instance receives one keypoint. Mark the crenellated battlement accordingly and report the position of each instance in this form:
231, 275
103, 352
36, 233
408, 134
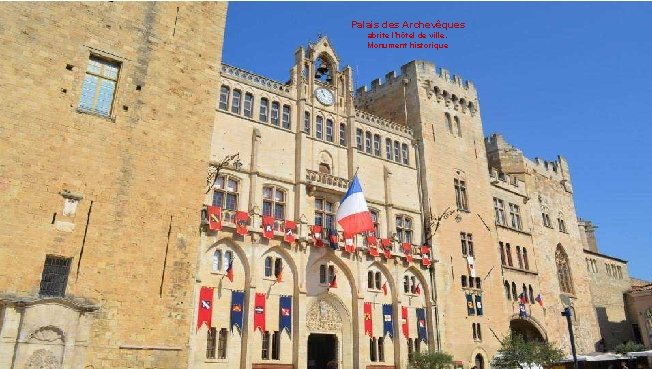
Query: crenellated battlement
450, 90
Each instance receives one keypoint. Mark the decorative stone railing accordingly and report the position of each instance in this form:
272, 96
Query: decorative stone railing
253, 78
326, 179
382, 123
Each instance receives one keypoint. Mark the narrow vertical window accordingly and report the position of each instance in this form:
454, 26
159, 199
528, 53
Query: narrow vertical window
370, 280
381, 348
499, 209
322, 274
460, 194
526, 263
342, 134
319, 127
514, 294
502, 253
275, 112
367, 142
515, 216
519, 257
306, 123
265, 346
221, 344
458, 126
508, 251
276, 345
449, 122
531, 290
507, 293
224, 97
405, 153
406, 284
378, 280
248, 105
397, 152
358, 139
268, 266
235, 102
286, 117
264, 110
377, 145
388, 148
211, 339
330, 134
372, 349
217, 260
99, 84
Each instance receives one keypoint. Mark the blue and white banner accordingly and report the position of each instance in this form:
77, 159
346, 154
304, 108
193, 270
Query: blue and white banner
237, 308
422, 331
388, 321
285, 314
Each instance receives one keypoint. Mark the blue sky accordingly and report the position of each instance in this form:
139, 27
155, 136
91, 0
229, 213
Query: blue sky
554, 78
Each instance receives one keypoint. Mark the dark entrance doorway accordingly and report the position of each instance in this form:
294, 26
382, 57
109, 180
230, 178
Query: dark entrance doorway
322, 350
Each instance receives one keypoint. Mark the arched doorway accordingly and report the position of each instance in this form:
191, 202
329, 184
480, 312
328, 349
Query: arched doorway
328, 323
479, 361
527, 329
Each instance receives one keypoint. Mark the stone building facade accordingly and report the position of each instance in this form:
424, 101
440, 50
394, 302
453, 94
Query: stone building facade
501, 227
105, 135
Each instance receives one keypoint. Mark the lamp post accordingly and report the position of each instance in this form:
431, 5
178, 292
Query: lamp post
214, 168
567, 313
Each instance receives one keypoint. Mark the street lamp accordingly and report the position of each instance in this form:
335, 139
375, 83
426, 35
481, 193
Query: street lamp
214, 168
567, 313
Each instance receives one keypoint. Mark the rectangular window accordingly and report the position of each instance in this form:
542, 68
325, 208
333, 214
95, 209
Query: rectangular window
367, 142
377, 145
275, 112
322, 274
55, 276
358, 139
235, 102
515, 216
381, 348
546, 220
342, 134
221, 344
467, 244
388, 149
460, 194
98, 89
319, 127
306, 123
276, 346
372, 349
329, 131
499, 209
264, 110
211, 340
404, 152
265, 347
397, 152
248, 105
562, 225
286, 117
224, 97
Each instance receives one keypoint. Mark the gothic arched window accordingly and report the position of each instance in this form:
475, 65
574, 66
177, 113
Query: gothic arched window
563, 270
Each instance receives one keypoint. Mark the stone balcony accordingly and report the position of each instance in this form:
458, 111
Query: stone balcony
325, 181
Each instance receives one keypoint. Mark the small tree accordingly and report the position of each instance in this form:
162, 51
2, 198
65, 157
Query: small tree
629, 346
431, 360
516, 352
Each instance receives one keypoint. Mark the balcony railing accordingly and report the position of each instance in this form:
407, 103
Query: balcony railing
326, 180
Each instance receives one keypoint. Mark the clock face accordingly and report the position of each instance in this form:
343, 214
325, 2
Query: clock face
324, 96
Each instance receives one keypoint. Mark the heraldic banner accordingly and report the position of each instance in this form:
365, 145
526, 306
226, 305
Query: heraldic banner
259, 312
285, 314
421, 325
205, 306
368, 323
388, 326
404, 321
237, 302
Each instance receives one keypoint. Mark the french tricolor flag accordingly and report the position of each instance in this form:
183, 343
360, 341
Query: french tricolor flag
353, 214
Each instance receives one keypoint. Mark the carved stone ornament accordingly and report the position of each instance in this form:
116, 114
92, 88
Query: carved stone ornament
42, 359
322, 316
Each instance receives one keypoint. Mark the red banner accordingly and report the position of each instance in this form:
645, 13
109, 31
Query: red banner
290, 230
214, 214
371, 239
404, 321
348, 243
425, 255
387, 247
373, 251
205, 307
368, 324
241, 222
384, 287
407, 250
317, 236
268, 226
259, 312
